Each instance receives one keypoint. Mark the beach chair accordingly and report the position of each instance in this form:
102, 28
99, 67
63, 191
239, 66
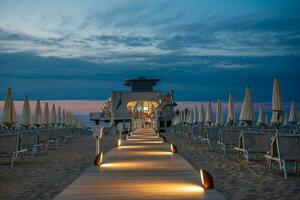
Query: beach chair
188, 131
211, 135
10, 147
29, 140
252, 145
196, 131
285, 149
228, 138
62, 135
43, 137
54, 137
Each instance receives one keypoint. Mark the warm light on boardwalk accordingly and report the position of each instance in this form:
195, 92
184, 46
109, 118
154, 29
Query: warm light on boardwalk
192, 188
142, 139
154, 153
141, 169
124, 165
133, 147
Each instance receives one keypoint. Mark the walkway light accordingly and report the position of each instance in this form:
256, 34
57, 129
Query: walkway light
98, 159
206, 179
118, 143
173, 148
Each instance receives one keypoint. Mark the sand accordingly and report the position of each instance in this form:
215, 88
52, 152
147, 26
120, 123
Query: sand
46, 175
237, 179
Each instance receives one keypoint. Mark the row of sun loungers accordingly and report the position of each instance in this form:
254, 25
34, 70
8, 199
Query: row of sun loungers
17, 144
281, 146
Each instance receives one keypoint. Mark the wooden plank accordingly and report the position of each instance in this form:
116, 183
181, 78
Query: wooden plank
142, 168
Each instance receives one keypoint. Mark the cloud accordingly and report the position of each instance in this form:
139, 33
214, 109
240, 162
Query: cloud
205, 48
192, 78
135, 31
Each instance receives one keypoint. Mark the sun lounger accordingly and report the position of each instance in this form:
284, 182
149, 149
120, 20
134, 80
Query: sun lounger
29, 140
10, 147
43, 137
211, 135
252, 144
228, 138
196, 132
188, 131
285, 150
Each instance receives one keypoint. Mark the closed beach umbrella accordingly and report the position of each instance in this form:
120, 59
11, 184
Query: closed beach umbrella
9, 117
266, 120
230, 115
191, 116
38, 116
293, 114
26, 115
208, 117
53, 117
276, 103
222, 119
286, 120
218, 113
59, 119
247, 112
196, 115
201, 117
63, 117
261, 117
184, 116
70, 119
46, 116
187, 116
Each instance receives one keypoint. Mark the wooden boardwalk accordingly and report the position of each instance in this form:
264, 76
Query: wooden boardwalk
143, 167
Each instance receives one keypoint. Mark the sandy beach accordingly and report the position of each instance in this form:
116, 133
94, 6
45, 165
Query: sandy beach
46, 175
237, 179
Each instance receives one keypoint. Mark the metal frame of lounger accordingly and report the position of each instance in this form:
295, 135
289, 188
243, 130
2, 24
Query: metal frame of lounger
29, 139
13, 150
187, 131
283, 155
211, 136
196, 132
226, 138
54, 136
43, 138
259, 148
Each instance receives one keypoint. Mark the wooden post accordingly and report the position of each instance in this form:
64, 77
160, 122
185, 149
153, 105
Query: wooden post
99, 137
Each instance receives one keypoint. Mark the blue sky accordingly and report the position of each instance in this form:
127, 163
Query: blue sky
202, 49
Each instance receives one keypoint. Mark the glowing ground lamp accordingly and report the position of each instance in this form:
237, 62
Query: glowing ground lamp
173, 148
206, 179
98, 159
118, 143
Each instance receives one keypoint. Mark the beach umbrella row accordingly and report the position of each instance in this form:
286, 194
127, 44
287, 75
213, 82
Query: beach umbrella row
41, 118
247, 111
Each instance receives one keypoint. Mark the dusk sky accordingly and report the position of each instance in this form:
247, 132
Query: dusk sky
201, 49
